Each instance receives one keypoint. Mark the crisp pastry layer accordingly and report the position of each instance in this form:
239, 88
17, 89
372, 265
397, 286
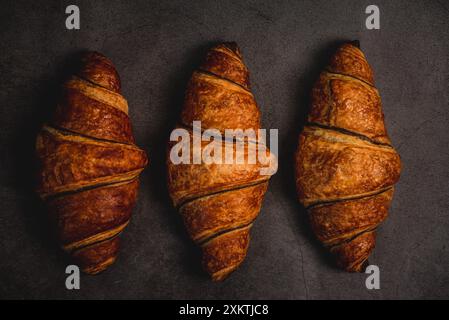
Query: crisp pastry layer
346, 166
220, 201
89, 164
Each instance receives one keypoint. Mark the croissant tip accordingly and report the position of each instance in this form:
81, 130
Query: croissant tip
99, 69
218, 278
93, 54
230, 44
90, 56
358, 268
100, 267
355, 43
233, 46
364, 265
223, 274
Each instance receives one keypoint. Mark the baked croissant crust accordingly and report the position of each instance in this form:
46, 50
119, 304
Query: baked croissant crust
89, 165
220, 202
346, 166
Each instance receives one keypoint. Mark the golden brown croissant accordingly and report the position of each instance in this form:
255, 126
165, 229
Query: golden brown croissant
89, 165
219, 202
345, 164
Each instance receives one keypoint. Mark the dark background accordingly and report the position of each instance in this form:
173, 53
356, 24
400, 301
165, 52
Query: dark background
155, 45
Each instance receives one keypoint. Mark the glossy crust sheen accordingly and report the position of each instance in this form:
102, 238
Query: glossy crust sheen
89, 165
219, 202
345, 164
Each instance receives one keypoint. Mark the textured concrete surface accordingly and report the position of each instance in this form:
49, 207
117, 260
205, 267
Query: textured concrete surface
155, 46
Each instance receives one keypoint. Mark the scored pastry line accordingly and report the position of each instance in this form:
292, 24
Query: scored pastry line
348, 236
237, 186
210, 73
342, 237
69, 135
99, 93
67, 132
94, 83
337, 138
330, 75
101, 266
212, 77
215, 236
318, 126
229, 53
85, 185
327, 203
352, 237
349, 239
224, 227
96, 238
223, 137
91, 187
319, 202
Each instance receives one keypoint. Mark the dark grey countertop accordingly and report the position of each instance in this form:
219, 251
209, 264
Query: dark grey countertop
155, 45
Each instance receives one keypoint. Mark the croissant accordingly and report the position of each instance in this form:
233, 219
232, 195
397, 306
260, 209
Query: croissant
220, 202
89, 165
346, 166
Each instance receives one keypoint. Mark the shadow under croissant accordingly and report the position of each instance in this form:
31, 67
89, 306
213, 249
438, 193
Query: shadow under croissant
46, 223
286, 171
43, 102
156, 173
224, 251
